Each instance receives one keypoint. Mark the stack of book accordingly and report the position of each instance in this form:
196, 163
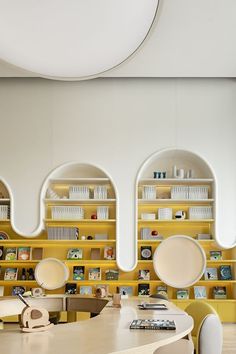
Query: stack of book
4, 212
67, 212
165, 213
149, 192
200, 212
100, 192
102, 212
62, 233
79, 192
179, 192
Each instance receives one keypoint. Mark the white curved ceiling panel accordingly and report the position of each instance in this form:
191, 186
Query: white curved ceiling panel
72, 38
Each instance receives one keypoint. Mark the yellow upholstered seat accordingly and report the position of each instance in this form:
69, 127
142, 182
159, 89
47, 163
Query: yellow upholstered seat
199, 311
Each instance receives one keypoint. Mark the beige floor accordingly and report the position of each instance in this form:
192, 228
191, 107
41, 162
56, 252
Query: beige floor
229, 346
229, 330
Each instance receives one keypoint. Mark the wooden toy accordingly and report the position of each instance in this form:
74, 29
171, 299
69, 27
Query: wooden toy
34, 319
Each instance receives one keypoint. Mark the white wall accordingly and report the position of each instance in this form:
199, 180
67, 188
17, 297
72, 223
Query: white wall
115, 124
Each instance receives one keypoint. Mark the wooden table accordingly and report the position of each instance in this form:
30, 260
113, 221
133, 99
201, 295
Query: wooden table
107, 333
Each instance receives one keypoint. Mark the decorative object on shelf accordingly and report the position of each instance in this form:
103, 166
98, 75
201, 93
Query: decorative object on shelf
211, 274
71, 288
149, 192
180, 214
61, 212
1, 252
23, 274
94, 273
51, 194
75, 253
200, 292
178, 173
190, 174
146, 252
31, 274
162, 290
62, 233
144, 274
37, 292
34, 319
10, 274
148, 216
225, 272
3, 235
103, 212
215, 255
78, 273
24, 253
182, 294
204, 237
109, 253
100, 192
18, 290
125, 291
95, 253
51, 273
89, 237
83, 237
105, 289
170, 261
94, 217
101, 237
200, 212
112, 274
143, 289
165, 213
79, 192
100, 293
85, 290
11, 254
219, 292
159, 174
4, 212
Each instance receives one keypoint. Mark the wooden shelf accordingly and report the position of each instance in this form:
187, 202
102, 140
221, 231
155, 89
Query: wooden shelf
79, 201
174, 201
84, 221
53, 243
175, 181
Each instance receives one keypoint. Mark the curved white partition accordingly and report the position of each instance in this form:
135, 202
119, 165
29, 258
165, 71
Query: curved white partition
73, 39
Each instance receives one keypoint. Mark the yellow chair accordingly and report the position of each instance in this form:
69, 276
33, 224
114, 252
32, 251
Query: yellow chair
207, 330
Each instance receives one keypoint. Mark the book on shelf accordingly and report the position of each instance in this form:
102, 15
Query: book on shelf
146, 253
37, 253
100, 237
211, 274
79, 192
200, 292
71, 288
125, 291
143, 290
144, 274
219, 292
204, 237
18, 290
162, 290
100, 192
94, 273
182, 294
215, 255
225, 272
95, 253
75, 254
109, 253
148, 216
78, 273
85, 290
11, 254
10, 274
24, 253
1, 252
1, 290
112, 274
67, 212
103, 212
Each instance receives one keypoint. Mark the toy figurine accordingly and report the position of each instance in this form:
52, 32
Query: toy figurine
31, 274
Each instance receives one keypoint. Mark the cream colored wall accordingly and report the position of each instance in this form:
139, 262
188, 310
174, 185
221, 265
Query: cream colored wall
115, 124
